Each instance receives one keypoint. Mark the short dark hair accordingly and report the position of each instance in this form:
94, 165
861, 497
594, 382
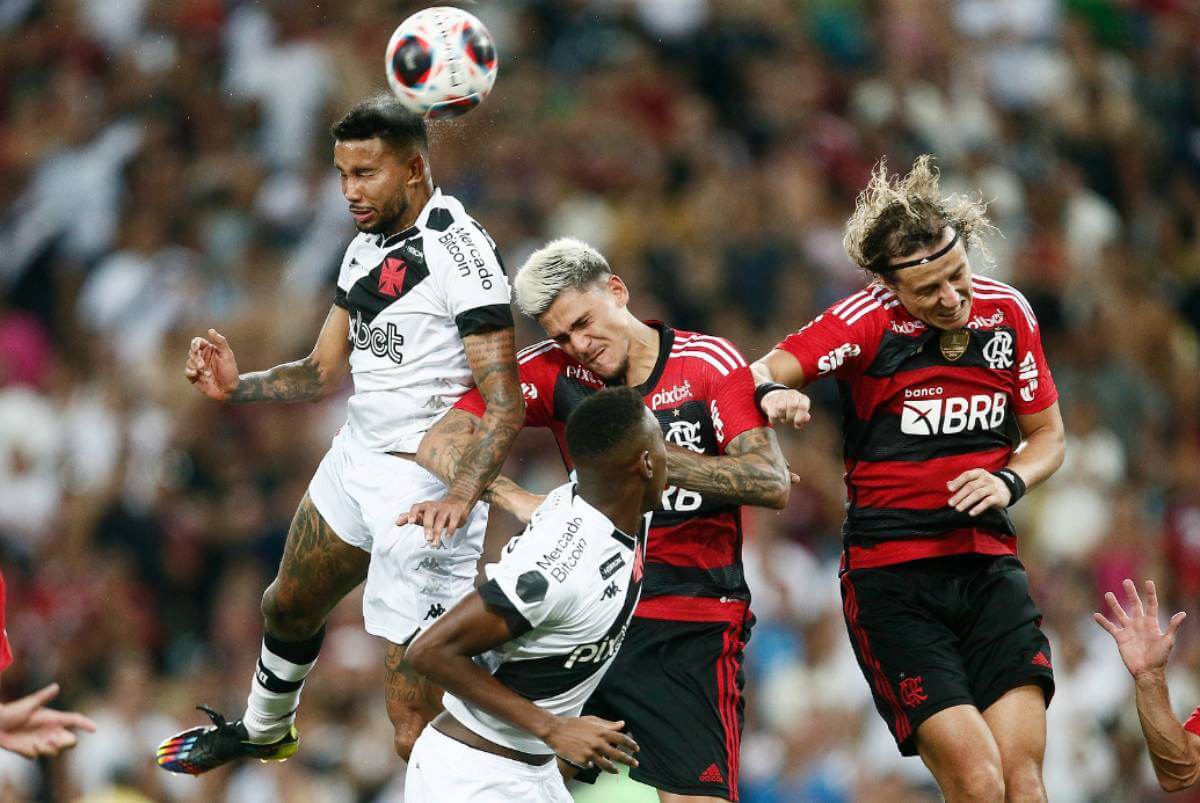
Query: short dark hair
383, 116
604, 422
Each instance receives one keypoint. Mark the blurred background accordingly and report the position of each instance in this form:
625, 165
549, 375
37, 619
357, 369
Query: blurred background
165, 166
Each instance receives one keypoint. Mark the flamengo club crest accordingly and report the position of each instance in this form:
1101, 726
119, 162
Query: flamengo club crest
999, 350
912, 692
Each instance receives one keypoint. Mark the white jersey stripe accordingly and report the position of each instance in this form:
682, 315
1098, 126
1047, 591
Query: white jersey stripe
854, 298
1029, 318
724, 346
525, 355
866, 301
722, 354
870, 308
706, 356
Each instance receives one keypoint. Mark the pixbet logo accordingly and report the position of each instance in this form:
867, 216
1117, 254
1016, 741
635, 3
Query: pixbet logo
382, 342
834, 359
953, 415
673, 396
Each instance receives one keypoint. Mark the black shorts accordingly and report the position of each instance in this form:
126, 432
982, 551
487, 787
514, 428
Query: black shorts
935, 633
678, 686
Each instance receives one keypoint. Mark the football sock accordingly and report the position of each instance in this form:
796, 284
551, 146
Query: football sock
275, 689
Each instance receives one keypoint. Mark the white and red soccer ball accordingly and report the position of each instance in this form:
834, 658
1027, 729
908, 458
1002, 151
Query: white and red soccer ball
441, 62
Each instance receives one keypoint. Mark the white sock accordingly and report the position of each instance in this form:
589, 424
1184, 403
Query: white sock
275, 688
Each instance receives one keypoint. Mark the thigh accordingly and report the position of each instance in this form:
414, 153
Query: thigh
956, 742
1004, 647
410, 583
908, 655
678, 687
318, 567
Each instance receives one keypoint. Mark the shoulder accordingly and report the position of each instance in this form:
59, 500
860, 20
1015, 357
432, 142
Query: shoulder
716, 353
874, 305
992, 295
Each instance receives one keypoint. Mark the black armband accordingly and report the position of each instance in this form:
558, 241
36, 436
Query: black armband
766, 387
1016, 485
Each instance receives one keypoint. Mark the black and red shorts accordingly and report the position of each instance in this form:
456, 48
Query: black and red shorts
678, 686
931, 634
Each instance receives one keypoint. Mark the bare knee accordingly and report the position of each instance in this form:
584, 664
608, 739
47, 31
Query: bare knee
288, 615
981, 782
1023, 783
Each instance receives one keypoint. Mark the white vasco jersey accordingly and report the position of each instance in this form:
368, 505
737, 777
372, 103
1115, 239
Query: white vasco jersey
412, 298
567, 587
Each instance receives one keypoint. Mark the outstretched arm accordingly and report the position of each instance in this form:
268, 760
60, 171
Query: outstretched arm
752, 471
212, 368
492, 356
442, 451
784, 406
1144, 647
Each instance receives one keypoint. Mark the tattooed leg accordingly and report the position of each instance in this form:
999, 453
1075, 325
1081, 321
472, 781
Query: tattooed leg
412, 700
318, 569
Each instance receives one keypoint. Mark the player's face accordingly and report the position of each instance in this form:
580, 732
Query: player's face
938, 293
656, 467
592, 327
374, 177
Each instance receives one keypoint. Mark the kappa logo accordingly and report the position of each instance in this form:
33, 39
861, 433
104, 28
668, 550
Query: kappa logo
685, 434
912, 692
953, 415
834, 359
610, 591
999, 350
673, 396
435, 610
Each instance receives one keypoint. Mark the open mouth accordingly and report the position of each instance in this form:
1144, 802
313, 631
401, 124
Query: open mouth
361, 215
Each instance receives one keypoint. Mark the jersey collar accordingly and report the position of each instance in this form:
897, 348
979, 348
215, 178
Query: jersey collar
666, 339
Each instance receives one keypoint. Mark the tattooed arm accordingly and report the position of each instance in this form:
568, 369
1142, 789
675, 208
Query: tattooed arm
751, 472
212, 368
492, 356
441, 453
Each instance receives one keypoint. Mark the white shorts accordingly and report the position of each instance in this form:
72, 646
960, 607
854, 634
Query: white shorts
442, 769
359, 493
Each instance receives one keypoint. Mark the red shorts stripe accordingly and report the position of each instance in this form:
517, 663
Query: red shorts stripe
727, 700
692, 609
900, 718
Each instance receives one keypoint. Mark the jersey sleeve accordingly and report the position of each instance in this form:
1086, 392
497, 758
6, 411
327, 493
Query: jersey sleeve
537, 375
342, 290
833, 343
525, 595
1193, 723
5, 650
478, 295
731, 399
1034, 390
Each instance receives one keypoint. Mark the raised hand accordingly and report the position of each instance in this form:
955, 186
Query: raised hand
787, 408
441, 519
1144, 647
31, 730
585, 742
211, 366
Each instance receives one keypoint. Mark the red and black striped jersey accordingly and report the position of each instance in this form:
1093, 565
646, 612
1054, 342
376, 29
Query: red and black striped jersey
918, 411
702, 393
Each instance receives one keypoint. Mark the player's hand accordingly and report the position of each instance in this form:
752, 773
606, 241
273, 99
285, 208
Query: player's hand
587, 742
441, 519
211, 366
787, 408
31, 730
1144, 647
976, 490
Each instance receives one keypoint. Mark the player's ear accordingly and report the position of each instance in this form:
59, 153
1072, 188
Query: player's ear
646, 465
618, 289
416, 168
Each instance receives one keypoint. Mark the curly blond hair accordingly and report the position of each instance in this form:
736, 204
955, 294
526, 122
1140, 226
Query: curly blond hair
895, 216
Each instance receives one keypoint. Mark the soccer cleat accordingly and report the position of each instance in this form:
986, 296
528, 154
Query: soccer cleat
198, 750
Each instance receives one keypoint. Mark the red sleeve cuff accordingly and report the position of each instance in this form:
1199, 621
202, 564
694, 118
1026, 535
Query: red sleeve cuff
1193, 722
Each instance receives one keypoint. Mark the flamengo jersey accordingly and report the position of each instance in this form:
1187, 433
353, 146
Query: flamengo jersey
914, 419
702, 393
412, 298
567, 587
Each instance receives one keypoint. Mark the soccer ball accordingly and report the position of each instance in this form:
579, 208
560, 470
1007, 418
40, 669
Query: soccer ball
441, 62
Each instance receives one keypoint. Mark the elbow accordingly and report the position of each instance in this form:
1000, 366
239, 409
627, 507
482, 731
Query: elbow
1172, 784
419, 655
779, 492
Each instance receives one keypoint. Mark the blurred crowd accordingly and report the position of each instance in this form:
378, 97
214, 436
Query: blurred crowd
165, 167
